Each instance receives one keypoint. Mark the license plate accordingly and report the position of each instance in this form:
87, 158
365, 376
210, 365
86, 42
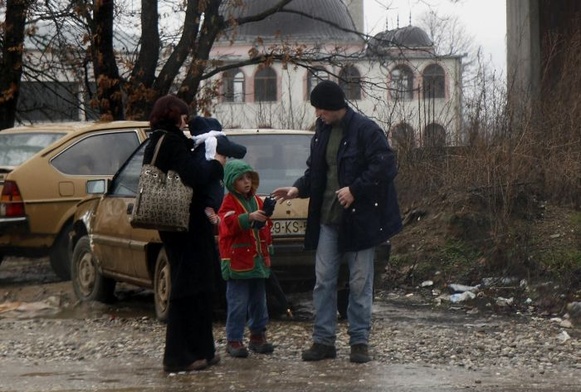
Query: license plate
289, 227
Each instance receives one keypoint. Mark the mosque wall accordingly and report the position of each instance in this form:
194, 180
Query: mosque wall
292, 108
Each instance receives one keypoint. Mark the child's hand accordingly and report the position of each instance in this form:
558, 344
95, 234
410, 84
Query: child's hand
212, 216
257, 216
257, 219
220, 158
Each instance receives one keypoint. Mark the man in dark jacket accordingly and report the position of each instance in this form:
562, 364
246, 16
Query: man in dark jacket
352, 209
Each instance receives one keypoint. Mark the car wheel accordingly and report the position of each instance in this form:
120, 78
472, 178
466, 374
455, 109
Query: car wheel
162, 286
88, 283
59, 256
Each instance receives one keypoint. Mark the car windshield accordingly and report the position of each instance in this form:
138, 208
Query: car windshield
16, 148
278, 159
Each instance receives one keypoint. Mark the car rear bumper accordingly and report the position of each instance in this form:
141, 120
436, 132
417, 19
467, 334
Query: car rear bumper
17, 240
17, 225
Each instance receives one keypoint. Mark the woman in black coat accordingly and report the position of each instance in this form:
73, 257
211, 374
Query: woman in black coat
192, 255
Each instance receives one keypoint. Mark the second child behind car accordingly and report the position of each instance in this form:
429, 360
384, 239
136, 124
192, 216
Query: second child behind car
244, 241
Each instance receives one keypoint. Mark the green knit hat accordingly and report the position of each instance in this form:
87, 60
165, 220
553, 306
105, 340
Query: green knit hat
234, 169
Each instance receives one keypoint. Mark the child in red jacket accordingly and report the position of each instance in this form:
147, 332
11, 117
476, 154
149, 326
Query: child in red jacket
244, 241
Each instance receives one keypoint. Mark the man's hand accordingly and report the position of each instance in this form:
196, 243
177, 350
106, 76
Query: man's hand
345, 197
285, 193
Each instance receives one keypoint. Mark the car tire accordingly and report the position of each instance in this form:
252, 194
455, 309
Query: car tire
88, 282
59, 256
161, 286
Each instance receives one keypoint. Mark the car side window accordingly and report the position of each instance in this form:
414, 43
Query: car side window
126, 180
100, 154
16, 148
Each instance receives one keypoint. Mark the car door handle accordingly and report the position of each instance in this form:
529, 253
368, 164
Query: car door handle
129, 209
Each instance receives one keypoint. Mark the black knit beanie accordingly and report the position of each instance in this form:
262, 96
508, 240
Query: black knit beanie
328, 95
200, 125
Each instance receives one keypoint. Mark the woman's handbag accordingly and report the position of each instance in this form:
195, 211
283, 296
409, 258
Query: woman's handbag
163, 201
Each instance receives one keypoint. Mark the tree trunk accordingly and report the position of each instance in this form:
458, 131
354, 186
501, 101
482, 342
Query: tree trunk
140, 94
11, 61
183, 48
109, 95
213, 24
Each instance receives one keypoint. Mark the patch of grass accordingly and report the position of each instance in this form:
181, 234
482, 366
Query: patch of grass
576, 222
458, 253
560, 260
454, 261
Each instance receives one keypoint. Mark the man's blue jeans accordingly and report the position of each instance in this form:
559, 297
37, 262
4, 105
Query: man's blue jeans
245, 297
328, 260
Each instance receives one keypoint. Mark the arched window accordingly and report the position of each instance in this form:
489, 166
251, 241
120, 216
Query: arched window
233, 85
350, 82
434, 136
402, 83
403, 137
314, 77
265, 85
434, 82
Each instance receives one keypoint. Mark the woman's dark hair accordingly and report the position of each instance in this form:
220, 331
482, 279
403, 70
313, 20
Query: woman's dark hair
167, 109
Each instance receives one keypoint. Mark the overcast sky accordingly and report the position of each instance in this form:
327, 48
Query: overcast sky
485, 19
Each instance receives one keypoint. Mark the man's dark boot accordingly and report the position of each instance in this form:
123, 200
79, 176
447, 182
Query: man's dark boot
318, 352
359, 353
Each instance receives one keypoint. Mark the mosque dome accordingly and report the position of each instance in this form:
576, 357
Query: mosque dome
409, 37
293, 22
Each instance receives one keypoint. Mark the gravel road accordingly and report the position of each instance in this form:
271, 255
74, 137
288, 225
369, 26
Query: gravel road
50, 343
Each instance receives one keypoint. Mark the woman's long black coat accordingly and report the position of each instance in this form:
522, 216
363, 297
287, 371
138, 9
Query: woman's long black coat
194, 270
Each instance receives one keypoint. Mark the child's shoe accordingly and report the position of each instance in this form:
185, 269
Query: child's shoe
236, 349
259, 344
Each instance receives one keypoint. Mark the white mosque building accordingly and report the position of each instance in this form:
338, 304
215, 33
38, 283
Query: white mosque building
394, 77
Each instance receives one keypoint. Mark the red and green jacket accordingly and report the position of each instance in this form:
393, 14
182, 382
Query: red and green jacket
244, 251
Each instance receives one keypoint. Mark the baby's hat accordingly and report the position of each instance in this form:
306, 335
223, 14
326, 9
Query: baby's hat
200, 125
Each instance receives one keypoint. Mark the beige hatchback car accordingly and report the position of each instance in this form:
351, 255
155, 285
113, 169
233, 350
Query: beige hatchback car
43, 173
106, 249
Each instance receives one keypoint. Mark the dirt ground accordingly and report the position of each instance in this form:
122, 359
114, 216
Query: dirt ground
49, 342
